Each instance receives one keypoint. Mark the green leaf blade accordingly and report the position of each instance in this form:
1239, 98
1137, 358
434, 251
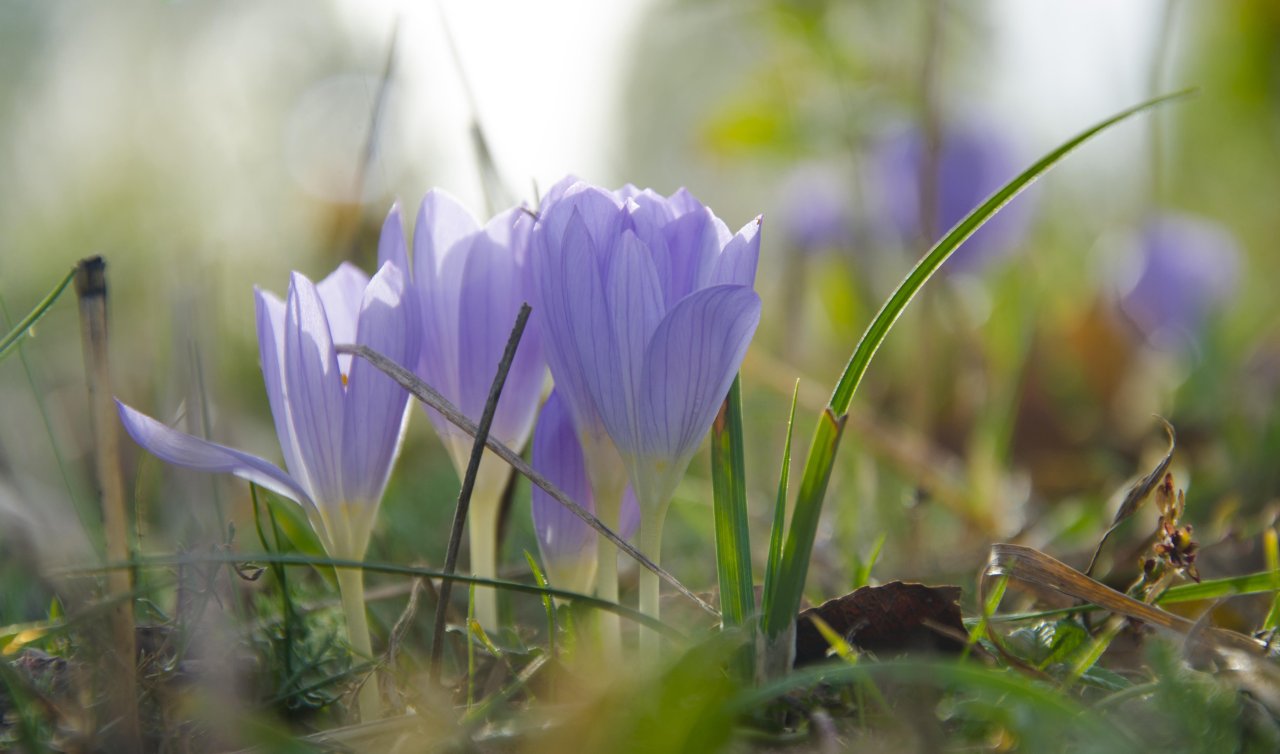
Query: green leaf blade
728, 481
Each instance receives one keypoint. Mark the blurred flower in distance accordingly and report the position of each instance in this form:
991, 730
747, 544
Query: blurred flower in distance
1184, 267
967, 165
816, 208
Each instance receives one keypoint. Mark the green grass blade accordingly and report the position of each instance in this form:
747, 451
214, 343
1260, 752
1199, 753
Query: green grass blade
548, 604
728, 482
1252, 583
842, 396
22, 328
779, 529
785, 602
169, 561
794, 568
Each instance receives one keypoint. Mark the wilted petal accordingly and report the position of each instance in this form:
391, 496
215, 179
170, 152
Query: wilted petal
691, 361
374, 409
391, 244
314, 388
181, 449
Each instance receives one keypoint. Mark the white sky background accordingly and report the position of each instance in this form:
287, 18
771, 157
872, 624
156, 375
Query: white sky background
547, 76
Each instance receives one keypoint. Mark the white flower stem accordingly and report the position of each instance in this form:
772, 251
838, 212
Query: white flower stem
483, 532
651, 545
351, 589
608, 507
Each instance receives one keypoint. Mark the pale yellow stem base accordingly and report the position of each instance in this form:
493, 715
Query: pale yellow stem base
650, 585
351, 590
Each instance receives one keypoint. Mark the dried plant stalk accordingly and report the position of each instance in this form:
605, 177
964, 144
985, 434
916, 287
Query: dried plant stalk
120, 677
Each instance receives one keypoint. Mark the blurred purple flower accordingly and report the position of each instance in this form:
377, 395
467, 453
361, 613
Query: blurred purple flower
816, 208
971, 164
647, 308
1185, 267
471, 282
339, 421
568, 545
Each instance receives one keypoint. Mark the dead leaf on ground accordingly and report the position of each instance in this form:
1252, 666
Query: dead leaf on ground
895, 617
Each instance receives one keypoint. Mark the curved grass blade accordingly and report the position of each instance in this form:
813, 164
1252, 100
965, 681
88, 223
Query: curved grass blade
779, 529
22, 328
1262, 582
794, 567
167, 561
842, 396
728, 481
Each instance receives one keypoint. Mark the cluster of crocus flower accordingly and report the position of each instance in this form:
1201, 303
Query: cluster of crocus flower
644, 307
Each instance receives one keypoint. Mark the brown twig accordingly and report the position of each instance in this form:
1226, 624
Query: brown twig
91, 290
468, 484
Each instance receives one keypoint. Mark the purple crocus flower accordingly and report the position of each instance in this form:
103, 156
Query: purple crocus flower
971, 164
816, 208
647, 308
1185, 266
568, 545
471, 282
339, 420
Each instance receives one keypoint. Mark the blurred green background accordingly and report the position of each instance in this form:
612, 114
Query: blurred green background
207, 147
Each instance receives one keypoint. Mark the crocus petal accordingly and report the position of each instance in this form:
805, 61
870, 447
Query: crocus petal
509, 234
314, 389
441, 241
635, 303
340, 294
598, 210
375, 405
443, 222
694, 244
271, 316
690, 363
567, 544
736, 265
181, 449
487, 305
591, 343
391, 244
